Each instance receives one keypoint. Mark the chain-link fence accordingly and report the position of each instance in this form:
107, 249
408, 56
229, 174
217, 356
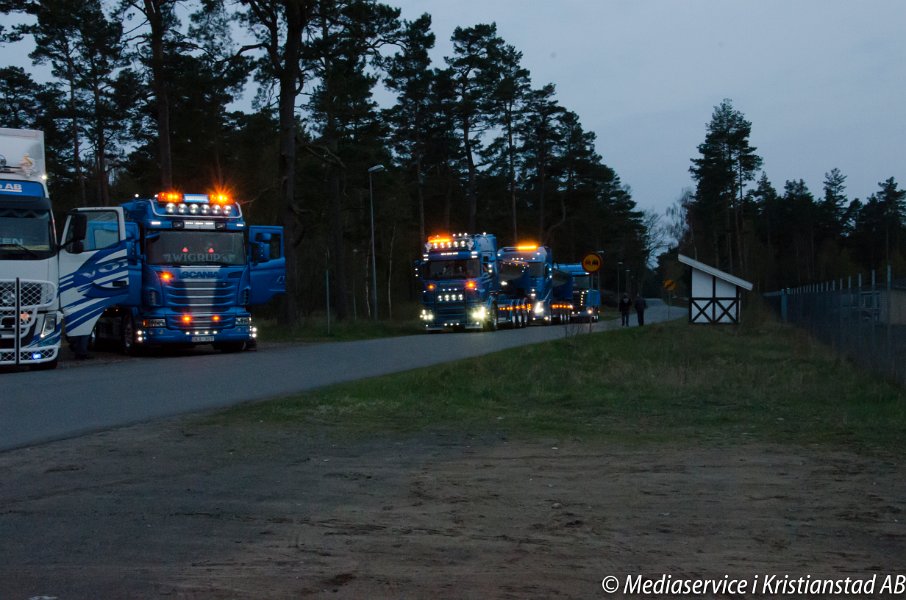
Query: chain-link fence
863, 318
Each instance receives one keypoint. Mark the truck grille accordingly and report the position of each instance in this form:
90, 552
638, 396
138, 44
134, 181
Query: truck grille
201, 294
32, 293
449, 311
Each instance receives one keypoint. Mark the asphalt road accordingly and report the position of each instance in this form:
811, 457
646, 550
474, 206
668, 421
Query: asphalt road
36, 407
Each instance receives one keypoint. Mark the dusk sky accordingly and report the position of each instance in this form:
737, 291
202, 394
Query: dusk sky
822, 81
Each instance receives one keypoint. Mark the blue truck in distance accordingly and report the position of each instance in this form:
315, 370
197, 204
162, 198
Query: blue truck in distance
461, 285
576, 291
527, 273
194, 268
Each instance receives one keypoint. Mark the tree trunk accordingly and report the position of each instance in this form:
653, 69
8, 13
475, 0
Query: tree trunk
420, 193
471, 196
511, 154
161, 98
337, 240
289, 77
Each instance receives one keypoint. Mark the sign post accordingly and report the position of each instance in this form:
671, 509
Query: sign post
669, 285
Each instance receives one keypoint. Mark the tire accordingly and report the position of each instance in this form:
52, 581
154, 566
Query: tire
127, 336
492, 320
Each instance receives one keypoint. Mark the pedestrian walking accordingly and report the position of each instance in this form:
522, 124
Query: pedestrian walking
640, 306
625, 306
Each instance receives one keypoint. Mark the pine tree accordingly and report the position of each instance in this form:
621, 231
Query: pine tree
409, 74
475, 75
726, 164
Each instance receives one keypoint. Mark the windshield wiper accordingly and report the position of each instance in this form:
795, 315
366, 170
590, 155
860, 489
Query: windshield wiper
20, 247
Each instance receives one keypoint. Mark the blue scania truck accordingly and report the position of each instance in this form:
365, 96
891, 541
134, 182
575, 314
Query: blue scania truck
527, 272
577, 292
193, 267
461, 285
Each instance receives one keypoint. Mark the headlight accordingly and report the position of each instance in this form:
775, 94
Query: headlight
50, 325
427, 315
539, 308
479, 314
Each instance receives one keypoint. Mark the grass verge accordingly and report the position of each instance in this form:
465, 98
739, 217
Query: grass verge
662, 383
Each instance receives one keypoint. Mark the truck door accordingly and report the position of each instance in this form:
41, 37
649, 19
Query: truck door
98, 267
268, 263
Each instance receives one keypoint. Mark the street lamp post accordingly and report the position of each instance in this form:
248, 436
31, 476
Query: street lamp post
374, 169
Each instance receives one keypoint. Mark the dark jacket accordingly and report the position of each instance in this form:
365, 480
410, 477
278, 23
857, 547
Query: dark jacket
640, 304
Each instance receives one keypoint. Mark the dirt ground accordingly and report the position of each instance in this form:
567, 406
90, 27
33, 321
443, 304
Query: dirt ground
182, 510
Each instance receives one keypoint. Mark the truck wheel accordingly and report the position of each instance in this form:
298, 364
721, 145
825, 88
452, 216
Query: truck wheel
492, 319
127, 335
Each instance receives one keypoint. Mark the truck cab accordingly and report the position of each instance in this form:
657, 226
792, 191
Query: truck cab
197, 268
30, 317
527, 271
461, 283
577, 291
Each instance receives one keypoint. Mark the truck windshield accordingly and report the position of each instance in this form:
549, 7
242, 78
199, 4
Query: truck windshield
453, 269
582, 282
535, 269
25, 233
197, 248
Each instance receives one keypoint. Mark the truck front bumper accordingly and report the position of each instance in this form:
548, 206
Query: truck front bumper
159, 331
39, 338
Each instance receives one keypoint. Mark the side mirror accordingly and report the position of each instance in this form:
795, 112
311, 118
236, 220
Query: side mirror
78, 227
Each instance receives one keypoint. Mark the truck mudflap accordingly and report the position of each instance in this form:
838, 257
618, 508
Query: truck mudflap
29, 327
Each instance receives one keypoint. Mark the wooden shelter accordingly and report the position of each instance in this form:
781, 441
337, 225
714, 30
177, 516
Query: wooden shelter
713, 295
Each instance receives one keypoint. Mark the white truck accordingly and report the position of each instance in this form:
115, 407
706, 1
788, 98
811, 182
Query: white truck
33, 297
30, 317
